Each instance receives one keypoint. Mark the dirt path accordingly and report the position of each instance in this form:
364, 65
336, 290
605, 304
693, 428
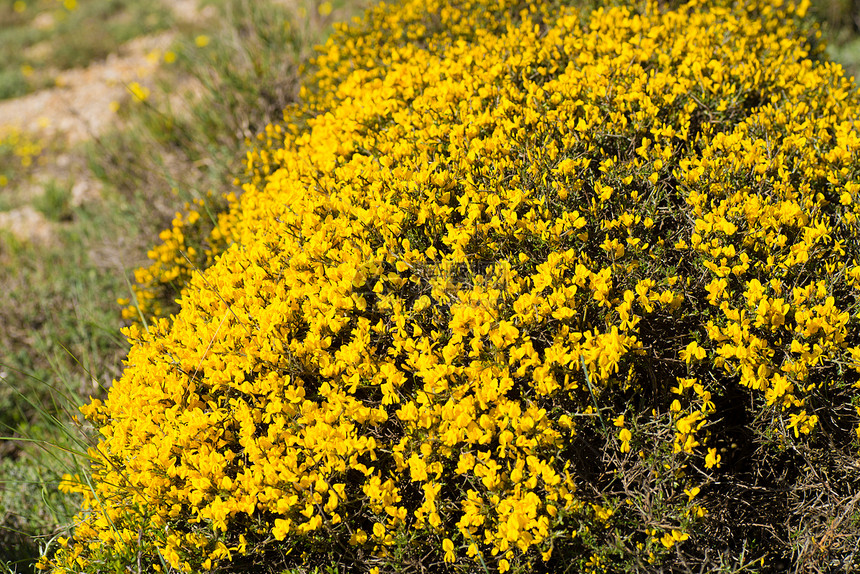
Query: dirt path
80, 107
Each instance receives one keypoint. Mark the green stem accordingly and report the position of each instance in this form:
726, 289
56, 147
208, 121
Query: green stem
591, 390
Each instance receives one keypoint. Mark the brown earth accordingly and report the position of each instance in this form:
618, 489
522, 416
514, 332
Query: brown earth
81, 106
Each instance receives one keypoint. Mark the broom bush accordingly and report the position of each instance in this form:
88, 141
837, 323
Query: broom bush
519, 286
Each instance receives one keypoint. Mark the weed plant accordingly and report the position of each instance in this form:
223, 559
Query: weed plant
517, 287
55, 203
18, 154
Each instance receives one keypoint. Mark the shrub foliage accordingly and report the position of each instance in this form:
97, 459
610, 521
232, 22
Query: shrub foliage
519, 287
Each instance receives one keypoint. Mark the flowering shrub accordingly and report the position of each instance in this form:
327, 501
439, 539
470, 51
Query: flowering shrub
521, 287
197, 235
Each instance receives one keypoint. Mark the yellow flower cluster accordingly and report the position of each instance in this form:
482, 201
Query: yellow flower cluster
17, 152
198, 234
501, 248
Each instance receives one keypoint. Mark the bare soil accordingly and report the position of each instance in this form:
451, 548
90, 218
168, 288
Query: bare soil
81, 106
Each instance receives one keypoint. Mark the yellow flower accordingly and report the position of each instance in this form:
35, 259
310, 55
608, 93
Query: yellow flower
712, 459
669, 539
141, 93
625, 436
